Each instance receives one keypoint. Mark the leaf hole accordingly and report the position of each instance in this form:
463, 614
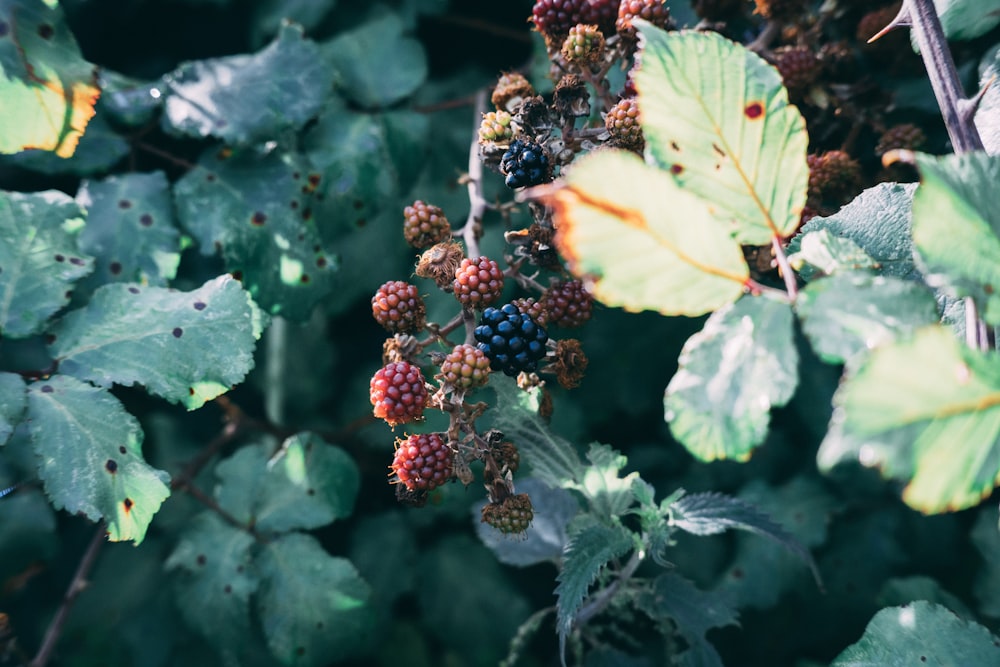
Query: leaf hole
228, 589
199, 305
45, 31
305, 278
47, 389
178, 332
115, 268
146, 220
59, 258
133, 290
76, 261
111, 466
258, 218
201, 560
122, 450
124, 203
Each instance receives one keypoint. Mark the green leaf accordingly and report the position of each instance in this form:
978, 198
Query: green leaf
921, 633
640, 240
313, 607
849, 313
694, 611
385, 550
307, 484
47, 90
130, 229
967, 19
187, 347
925, 410
12, 402
609, 494
214, 580
128, 101
269, 15
986, 538
39, 258
590, 549
955, 227
259, 209
378, 64
877, 220
740, 365
98, 150
288, 83
827, 254
90, 456
716, 115
904, 590
987, 116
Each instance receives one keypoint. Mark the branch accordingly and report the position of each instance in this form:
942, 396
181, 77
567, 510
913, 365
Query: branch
472, 229
76, 586
604, 597
786, 270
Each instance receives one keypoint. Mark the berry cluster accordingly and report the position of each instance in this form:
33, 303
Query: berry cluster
525, 164
567, 303
422, 462
513, 341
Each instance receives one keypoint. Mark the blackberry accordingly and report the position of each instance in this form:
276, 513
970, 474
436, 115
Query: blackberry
478, 282
510, 517
603, 14
465, 367
906, 135
397, 306
622, 123
567, 304
532, 308
584, 44
798, 66
422, 462
511, 89
424, 225
398, 393
496, 128
525, 164
512, 340
554, 18
654, 11
833, 176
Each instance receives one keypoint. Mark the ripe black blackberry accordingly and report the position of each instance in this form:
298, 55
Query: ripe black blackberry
798, 66
512, 340
424, 225
478, 282
422, 462
398, 307
834, 177
905, 135
525, 164
567, 304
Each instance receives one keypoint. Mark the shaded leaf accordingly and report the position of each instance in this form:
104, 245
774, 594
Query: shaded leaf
827, 254
12, 402
924, 410
130, 229
545, 538
849, 313
986, 538
187, 347
39, 258
289, 81
904, 590
47, 90
128, 101
921, 633
878, 221
306, 485
589, 550
378, 64
716, 115
384, 549
214, 580
268, 16
90, 456
313, 607
694, 611
641, 241
956, 227
967, 19
259, 211
740, 365
27, 530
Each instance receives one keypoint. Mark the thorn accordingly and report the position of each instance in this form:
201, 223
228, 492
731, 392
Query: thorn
901, 20
967, 108
899, 155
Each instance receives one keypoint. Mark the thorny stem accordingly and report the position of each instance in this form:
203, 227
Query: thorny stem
929, 35
477, 204
76, 586
786, 270
603, 598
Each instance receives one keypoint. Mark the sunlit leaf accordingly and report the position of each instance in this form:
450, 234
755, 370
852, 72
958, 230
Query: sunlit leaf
312, 606
927, 411
956, 227
921, 633
642, 241
740, 365
187, 347
90, 456
827, 254
40, 258
717, 117
848, 313
47, 90
288, 83
99, 150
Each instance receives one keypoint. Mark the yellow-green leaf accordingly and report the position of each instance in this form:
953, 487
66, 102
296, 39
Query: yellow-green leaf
641, 241
717, 116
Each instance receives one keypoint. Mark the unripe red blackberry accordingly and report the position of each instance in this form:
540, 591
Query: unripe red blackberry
424, 225
654, 11
780, 10
422, 462
833, 176
584, 44
478, 282
554, 18
603, 14
398, 393
906, 135
622, 122
567, 304
798, 66
398, 307
495, 128
533, 309
511, 89
465, 367
510, 517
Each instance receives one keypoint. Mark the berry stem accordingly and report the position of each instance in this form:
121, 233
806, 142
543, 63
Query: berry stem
786, 269
929, 36
477, 204
604, 597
